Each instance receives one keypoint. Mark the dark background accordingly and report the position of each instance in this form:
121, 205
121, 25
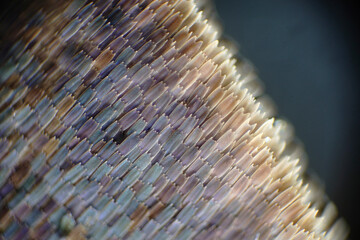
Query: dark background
306, 52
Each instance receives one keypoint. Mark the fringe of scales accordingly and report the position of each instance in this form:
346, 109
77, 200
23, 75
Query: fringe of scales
124, 119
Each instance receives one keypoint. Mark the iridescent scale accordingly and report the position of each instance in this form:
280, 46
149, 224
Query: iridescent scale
129, 120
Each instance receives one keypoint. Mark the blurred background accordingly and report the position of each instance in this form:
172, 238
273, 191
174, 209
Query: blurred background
306, 52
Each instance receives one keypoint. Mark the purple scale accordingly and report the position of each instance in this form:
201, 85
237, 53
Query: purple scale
73, 115
102, 35
121, 84
158, 157
201, 114
194, 167
145, 85
5, 189
172, 81
131, 95
161, 75
43, 231
94, 53
177, 113
73, 143
154, 93
124, 26
22, 211
87, 129
162, 102
188, 125
21, 234
105, 180
150, 121
179, 151
109, 99
159, 52
127, 145
148, 141
189, 156
129, 119
101, 7
157, 64
79, 150
159, 36
92, 108
189, 185
134, 11
169, 54
135, 105
178, 64
83, 159
117, 45
114, 159
145, 49
165, 135
148, 29
193, 106
90, 192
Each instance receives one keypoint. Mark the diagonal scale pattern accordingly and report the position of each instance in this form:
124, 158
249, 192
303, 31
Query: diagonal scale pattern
124, 119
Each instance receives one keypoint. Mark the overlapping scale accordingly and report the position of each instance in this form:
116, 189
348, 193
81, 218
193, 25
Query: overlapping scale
128, 119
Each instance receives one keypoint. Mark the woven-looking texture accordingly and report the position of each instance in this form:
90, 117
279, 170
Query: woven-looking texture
128, 119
